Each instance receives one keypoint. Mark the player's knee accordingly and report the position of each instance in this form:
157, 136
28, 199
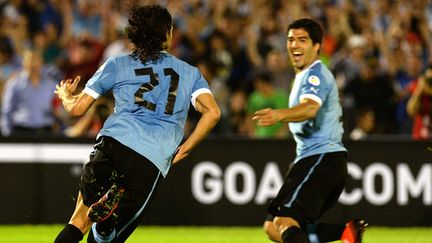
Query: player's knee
271, 231
283, 223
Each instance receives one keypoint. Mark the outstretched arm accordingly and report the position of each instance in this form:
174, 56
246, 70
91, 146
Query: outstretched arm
75, 105
207, 106
306, 110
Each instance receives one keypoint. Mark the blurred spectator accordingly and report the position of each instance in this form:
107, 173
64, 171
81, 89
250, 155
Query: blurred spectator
92, 121
220, 92
266, 96
364, 124
404, 77
220, 55
46, 42
374, 88
238, 37
405, 45
87, 19
51, 19
27, 107
346, 66
82, 59
237, 111
419, 106
8, 61
283, 74
118, 47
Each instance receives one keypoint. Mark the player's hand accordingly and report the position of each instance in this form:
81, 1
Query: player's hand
67, 87
180, 154
266, 117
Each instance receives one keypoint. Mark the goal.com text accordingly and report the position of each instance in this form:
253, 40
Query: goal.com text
377, 183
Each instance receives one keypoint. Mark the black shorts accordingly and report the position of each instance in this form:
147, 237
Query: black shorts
112, 162
311, 187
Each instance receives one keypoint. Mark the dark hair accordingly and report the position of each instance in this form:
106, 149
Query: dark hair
147, 30
263, 76
312, 27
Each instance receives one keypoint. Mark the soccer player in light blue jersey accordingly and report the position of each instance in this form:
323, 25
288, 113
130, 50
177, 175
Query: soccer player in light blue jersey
317, 175
141, 140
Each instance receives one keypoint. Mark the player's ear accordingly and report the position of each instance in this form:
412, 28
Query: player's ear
169, 35
317, 47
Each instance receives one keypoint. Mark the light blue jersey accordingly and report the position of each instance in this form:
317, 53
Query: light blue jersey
322, 134
151, 103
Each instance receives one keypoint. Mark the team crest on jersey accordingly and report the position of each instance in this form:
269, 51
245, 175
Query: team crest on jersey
314, 80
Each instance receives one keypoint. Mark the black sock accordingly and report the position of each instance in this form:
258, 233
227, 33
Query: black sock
325, 232
294, 235
69, 234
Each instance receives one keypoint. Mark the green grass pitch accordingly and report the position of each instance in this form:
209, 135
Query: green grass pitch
154, 234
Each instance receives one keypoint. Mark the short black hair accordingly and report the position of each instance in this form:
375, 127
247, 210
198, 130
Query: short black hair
147, 30
263, 76
312, 27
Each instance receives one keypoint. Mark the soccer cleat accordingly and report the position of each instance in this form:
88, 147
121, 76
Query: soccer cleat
354, 231
103, 208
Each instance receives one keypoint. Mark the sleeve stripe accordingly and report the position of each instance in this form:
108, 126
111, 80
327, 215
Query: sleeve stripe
91, 92
197, 93
312, 97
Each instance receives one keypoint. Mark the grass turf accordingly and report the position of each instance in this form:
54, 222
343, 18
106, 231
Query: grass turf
154, 234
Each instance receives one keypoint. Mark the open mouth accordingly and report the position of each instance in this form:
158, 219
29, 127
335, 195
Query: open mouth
297, 55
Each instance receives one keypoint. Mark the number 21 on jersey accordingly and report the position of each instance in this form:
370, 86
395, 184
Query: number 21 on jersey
154, 81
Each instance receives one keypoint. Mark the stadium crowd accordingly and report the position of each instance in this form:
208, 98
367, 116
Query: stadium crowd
377, 50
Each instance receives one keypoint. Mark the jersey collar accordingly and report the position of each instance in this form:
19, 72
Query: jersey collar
309, 67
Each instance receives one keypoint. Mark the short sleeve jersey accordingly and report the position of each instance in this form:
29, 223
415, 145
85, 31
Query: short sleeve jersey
322, 134
151, 103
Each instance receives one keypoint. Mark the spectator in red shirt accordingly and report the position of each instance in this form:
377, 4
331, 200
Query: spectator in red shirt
419, 106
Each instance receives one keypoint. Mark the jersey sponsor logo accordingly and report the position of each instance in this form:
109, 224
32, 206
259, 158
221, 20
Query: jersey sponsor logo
314, 89
314, 80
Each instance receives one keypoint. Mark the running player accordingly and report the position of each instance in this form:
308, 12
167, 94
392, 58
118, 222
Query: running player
141, 140
317, 176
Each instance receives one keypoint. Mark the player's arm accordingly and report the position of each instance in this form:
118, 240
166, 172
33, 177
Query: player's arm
75, 105
207, 106
413, 105
306, 110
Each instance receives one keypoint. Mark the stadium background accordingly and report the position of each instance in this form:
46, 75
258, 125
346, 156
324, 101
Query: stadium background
225, 181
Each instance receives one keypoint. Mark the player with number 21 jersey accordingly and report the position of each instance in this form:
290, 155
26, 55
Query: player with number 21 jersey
164, 88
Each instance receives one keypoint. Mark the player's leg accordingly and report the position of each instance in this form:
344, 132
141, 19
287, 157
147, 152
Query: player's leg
96, 179
290, 230
136, 203
140, 181
270, 229
348, 232
288, 216
328, 183
323, 232
311, 187
327, 232
119, 226
78, 225
79, 217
